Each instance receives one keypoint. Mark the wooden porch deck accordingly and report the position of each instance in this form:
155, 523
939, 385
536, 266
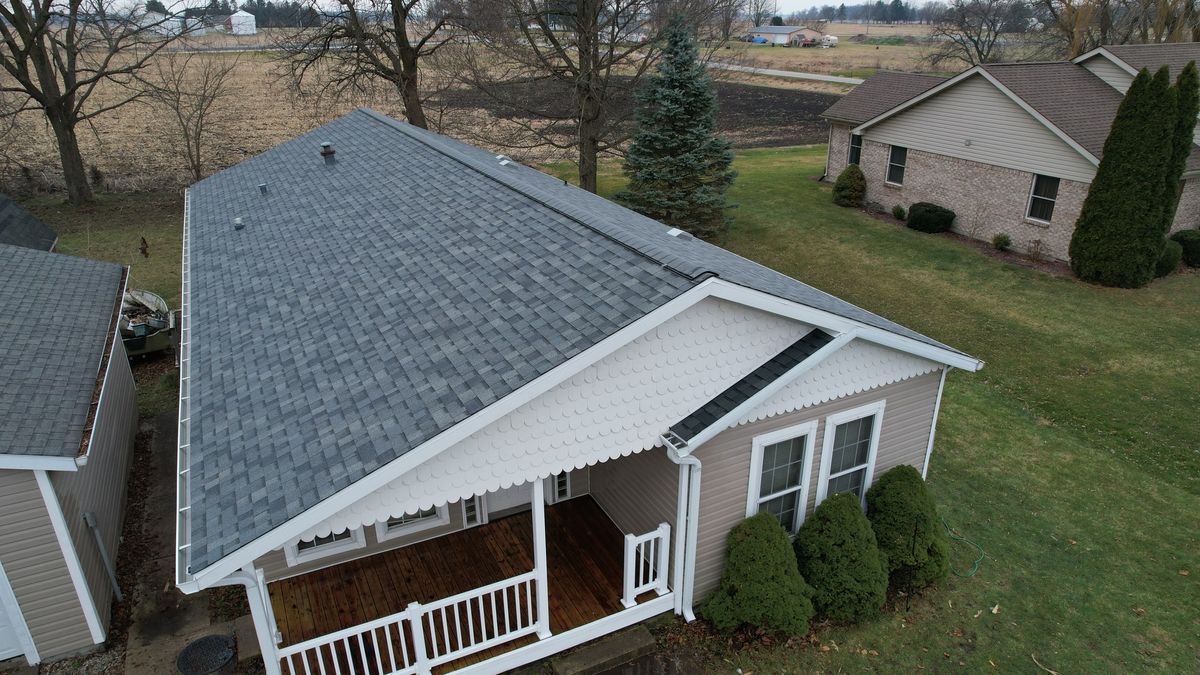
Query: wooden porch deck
585, 551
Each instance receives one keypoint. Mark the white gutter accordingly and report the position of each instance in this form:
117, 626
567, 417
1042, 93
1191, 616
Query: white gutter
693, 528
183, 476
106, 359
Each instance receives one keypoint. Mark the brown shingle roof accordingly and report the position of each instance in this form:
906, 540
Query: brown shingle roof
1174, 55
879, 94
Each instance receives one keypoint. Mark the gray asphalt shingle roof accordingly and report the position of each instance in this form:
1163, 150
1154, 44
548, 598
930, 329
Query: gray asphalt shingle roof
367, 306
878, 94
56, 314
777, 30
1174, 55
19, 227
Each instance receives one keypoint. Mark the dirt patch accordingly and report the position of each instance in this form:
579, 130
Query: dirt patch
765, 117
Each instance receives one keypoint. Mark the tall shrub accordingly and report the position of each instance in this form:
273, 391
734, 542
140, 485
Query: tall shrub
1187, 102
905, 521
678, 168
837, 554
761, 585
850, 188
1119, 234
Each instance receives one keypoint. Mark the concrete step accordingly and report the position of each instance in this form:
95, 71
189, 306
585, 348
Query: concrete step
606, 653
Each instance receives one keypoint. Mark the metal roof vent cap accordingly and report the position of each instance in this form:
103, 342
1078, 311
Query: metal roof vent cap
237, 224
679, 234
262, 187
328, 152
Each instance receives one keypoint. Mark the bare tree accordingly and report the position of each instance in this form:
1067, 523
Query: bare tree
194, 89
59, 53
567, 71
761, 11
971, 32
727, 14
359, 42
1081, 25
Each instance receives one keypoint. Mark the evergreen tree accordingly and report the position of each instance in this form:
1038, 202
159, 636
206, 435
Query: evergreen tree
678, 169
156, 6
1118, 237
841, 12
777, 21
837, 553
1187, 101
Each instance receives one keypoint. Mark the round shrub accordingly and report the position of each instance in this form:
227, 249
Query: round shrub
761, 585
837, 554
1002, 242
898, 212
926, 217
1168, 262
1190, 241
905, 521
850, 188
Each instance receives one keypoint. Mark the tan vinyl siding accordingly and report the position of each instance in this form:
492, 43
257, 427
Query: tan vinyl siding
726, 460
37, 570
998, 131
1110, 72
639, 491
99, 485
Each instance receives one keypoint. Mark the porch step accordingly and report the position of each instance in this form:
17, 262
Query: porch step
606, 653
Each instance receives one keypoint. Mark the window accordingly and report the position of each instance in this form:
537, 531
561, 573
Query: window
473, 511
562, 486
320, 547
410, 523
780, 465
1042, 197
848, 455
897, 160
855, 148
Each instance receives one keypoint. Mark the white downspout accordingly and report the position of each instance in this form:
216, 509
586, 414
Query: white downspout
937, 409
693, 528
681, 519
258, 612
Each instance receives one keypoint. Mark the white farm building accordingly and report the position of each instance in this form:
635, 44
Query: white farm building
242, 22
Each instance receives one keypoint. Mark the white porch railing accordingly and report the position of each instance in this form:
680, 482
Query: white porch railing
423, 636
646, 559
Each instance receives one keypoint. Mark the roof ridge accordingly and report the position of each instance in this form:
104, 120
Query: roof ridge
520, 187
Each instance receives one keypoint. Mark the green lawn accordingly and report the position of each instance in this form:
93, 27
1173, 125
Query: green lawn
1071, 458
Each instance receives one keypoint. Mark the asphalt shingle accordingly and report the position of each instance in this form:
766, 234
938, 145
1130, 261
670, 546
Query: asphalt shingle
56, 314
878, 94
19, 227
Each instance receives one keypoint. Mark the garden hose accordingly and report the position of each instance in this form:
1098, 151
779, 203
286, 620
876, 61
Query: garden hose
958, 537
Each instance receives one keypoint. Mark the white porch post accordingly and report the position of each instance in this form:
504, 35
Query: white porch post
260, 613
680, 538
539, 558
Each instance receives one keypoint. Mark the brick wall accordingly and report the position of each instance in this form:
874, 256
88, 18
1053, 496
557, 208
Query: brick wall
1187, 216
839, 149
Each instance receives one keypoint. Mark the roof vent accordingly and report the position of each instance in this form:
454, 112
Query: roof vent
262, 187
327, 152
676, 232
237, 224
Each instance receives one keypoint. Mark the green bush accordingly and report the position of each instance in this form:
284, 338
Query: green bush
1168, 262
905, 521
1002, 242
850, 188
926, 217
1190, 241
898, 212
761, 585
837, 554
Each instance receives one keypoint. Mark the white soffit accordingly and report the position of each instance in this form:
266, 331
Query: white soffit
615, 407
857, 367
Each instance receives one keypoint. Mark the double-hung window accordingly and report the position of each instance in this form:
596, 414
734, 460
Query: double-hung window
411, 523
1042, 197
319, 547
848, 456
897, 161
855, 149
780, 465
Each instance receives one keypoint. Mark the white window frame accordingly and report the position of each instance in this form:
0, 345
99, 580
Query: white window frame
1029, 200
809, 431
297, 557
850, 149
887, 170
481, 511
831, 424
440, 518
552, 487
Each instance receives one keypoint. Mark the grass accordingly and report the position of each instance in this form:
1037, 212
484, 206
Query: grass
1071, 458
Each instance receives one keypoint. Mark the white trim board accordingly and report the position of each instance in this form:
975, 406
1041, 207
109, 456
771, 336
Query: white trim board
10, 605
1104, 53
37, 463
831, 425
712, 287
90, 613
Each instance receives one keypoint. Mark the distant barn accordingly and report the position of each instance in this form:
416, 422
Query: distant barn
241, 22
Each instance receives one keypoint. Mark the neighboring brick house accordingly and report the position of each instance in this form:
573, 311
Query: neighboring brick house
1011, 148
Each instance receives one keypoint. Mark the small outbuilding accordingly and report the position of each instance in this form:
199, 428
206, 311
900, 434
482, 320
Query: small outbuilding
242, 22
786, 35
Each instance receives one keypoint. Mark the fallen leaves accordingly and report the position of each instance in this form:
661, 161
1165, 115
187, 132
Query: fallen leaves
1139, 611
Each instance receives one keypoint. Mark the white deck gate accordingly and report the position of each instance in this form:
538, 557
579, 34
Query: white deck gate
423, 636
646, 563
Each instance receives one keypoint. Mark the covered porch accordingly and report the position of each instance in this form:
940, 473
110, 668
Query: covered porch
476, 594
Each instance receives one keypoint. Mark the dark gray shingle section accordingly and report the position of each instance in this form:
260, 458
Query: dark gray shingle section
1174, 55
879, 94
370, 305
19, 227
742, 390
56, 314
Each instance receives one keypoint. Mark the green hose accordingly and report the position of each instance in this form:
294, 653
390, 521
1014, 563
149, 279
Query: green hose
958, 537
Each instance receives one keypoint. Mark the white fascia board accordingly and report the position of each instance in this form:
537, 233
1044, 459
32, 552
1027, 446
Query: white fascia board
977, 70
282, 534
731, 418
826, 320
1104, 53
37, 463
